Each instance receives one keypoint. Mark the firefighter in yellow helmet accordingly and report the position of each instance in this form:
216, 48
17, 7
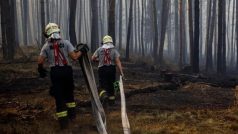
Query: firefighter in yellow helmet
108, 58
58, 52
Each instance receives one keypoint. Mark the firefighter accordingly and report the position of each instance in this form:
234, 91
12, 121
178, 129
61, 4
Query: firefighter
108, 58
58, 53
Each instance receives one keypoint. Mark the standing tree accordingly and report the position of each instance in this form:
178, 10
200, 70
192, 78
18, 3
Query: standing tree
80, 19
236, 35
120, 25
190, 13
208, 24
195, 64
182, 30
72, 34
209, 59
224, 37
155, 32
142, 28
94, 29
8, 28
17, 43
25, 22
129, 32
176, 29
221, 39
42, 5
164, 18
232, 37
111, 20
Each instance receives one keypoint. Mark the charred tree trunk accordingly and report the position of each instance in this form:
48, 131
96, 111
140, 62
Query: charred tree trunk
164, 18
185, 43
129, 32
224, 38
47, 11
120, 25
209, 61
155, 32
111, 20
232, 37
11, 33
42, 19
3, 7
195, 65
80, 20
72, 34
8, 28
170, 32
181, 40
94, 29
190, 13
134, 24
17, 43
24, 7
236, 35
142, 28
220, 37
176, 36
207, 45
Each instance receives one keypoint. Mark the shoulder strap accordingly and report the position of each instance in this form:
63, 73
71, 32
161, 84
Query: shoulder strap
107, 58
58, 55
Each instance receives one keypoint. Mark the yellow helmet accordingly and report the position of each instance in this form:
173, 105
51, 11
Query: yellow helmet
107, 39
51, 28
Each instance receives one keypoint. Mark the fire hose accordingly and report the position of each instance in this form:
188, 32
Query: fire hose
97, 107
125, 121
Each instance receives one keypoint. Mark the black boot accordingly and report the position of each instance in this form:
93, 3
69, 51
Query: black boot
103, 97
63, 121
111, 100
72, 113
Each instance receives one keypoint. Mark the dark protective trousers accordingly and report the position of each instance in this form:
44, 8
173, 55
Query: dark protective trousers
62, 86
107, 76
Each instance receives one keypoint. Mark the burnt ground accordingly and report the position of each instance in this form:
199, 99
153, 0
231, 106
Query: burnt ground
154, 105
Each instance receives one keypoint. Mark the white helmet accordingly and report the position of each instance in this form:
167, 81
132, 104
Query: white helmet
107, 39
51, 28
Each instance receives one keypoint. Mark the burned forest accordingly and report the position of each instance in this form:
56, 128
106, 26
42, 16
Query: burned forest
119, 66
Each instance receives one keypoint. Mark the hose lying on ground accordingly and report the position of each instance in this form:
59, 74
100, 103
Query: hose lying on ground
97, 107
125, 121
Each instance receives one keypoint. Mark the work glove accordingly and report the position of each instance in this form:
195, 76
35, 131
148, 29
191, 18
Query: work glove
82, 47
123, 76
42, 71
116, 87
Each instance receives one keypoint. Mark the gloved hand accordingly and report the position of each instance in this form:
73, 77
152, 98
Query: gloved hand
82, 47
42, 71
116, 87
123, 76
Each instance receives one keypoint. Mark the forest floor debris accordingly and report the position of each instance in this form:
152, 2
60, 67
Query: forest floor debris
154, 106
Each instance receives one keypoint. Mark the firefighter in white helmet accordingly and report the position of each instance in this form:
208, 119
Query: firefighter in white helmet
58, 53
108, 58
